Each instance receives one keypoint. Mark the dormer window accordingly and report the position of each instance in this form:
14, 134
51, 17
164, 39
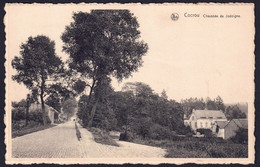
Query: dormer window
192, 117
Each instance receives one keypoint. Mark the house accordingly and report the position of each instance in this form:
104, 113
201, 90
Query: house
204, 119
229, 129
52, 113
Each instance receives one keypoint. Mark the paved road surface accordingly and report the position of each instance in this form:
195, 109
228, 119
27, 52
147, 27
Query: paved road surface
61, 142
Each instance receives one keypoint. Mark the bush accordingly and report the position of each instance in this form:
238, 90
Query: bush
241, 136
159, 132
35, 116
184, 130
102, 137
205, 132
126, 136
18, 115
142, 127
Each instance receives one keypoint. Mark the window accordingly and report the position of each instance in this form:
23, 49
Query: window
192, 117
210, 117
206, 124
201, 125
219, 117
195, 124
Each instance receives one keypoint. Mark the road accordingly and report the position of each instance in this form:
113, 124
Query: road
61, 142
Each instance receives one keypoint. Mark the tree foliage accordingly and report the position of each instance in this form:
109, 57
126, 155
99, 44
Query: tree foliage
164, 94
234, 112
101, 44
69, 107
18, 110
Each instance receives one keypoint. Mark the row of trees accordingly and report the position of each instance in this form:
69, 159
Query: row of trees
100, 44
135, 109
231, 111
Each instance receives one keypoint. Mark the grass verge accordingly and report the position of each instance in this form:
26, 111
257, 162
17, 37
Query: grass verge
198, 148
102, 137
28, 130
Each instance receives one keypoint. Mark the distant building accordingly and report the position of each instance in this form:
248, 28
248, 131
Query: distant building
229, 129
218, 128
204, 119
52, 113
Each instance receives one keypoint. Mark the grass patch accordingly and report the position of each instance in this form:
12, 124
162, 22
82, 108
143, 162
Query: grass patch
190, 147
102, 137
29, 129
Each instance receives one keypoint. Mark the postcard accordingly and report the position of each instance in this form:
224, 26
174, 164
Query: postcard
130, 83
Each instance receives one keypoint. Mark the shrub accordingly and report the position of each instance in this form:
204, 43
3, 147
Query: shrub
126, 136
159, 132
190, 134
102, 137
205, 132
142, 127
35, 116
184, 130
241, 136
18, 115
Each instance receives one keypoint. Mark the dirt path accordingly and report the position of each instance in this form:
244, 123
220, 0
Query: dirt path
61, 142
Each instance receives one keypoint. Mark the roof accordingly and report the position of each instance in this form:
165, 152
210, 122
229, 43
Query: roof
38, 106
222, 124
242, 123
209, 114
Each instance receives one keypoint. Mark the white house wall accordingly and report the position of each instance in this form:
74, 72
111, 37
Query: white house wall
221, 133
201, 123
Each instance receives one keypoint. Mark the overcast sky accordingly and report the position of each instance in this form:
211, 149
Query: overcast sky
190, 57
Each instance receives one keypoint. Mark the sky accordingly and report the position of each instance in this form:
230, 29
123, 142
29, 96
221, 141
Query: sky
190, 57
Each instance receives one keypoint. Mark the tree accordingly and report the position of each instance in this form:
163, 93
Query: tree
192, 103
220, 104
211, 104
53, 100
18, 110
36, 65
123, 104
101, 44
79, 86
233, 112
69, 107
164, 95
139, 89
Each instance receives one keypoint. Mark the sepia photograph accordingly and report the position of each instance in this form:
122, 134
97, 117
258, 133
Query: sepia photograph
129, 83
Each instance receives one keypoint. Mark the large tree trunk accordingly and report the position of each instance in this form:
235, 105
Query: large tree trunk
27, 112
88, 117
90, 92
92, 114
42, 102
43, 111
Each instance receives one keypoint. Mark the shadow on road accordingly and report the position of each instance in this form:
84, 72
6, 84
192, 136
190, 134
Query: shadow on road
77, 132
